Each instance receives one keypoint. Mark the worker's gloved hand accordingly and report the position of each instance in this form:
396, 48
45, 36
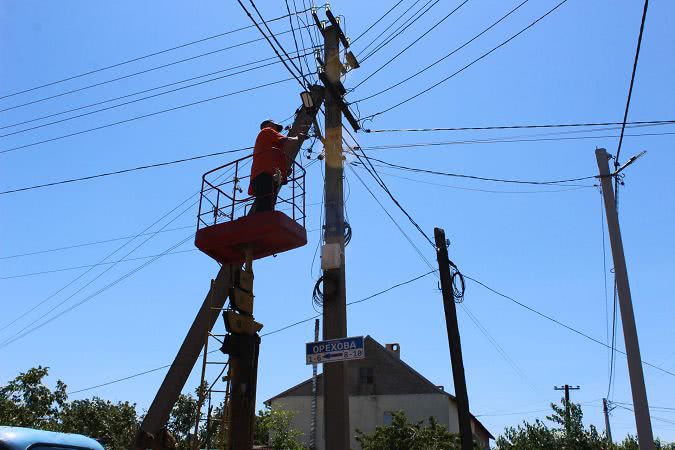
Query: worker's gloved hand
277, 176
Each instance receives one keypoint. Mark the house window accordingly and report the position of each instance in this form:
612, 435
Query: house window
387, 419
366, 375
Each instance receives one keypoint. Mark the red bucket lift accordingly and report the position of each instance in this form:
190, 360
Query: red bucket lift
226, 226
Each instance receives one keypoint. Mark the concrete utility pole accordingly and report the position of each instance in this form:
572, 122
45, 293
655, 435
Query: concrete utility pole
312, 425
336, 399
454, 343
637, 380
608, 429
567, 388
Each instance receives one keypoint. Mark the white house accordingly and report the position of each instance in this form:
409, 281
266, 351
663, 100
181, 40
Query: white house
378, 385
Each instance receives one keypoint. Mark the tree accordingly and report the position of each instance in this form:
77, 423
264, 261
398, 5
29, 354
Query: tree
112, 424
405, 435
571, 436
27, 402
273, 428
182, 421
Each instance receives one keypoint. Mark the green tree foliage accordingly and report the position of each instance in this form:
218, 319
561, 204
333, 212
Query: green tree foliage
405, 435
27, 402
563, 436
273, 428
112, 424
182, 421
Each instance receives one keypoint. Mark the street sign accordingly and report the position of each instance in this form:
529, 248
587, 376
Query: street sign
343, 349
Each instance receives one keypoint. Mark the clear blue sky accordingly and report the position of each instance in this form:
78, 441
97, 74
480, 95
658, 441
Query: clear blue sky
543, 248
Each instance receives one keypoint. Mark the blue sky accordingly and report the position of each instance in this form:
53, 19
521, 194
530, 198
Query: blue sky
543, 248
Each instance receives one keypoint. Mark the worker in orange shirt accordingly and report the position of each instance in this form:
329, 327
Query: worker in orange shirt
270, 167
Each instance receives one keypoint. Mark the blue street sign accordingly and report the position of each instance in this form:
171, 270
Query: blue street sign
343, 349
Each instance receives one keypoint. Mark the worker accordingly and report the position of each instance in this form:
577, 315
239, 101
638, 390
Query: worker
270, 168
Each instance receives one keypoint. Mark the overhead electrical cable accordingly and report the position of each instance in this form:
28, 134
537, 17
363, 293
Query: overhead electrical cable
503, 140
23, 333
363, 50
483, 56
299, 69
295, 75
557, 322
108, 108
632, 81
404, 26
473, 177
86, 266
87, 244
494, 24
143, 232
122, 171
489, 191
276, 331
143, 116
374, 24
159, 52
518, 127
133, 74
393, 58
273, 58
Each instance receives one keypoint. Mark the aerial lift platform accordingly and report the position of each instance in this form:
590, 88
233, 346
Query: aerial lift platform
231, 235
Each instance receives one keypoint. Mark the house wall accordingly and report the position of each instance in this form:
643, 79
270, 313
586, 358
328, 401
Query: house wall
367, 412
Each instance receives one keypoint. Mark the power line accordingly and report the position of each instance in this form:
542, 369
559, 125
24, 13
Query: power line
374, 24
152, 89
557, 322
373, 172
107, 108
489, 191
278, 330
404, 26
632, 80
137, 58
518, 127
74, 280
389, 26
86, 244
22, 334
484, 55
270, 42
392, 59
64, 269
277, 42
133, 74
505, 140
494, 24
473, 177
11, 149
121, 171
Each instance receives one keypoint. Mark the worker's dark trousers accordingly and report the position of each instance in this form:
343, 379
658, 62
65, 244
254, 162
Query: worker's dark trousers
265, 191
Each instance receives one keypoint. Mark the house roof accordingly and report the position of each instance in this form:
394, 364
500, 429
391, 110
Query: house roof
393, 377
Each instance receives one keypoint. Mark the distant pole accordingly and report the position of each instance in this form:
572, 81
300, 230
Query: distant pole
637, 380
608, 429
312, 426
567, 389
453, 341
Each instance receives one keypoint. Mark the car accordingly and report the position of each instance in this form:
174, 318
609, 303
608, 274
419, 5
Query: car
19, 438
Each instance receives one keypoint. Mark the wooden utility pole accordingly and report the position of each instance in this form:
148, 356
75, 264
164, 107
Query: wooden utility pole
567, 388
608, 429
453, 340
336, 399
637, 380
